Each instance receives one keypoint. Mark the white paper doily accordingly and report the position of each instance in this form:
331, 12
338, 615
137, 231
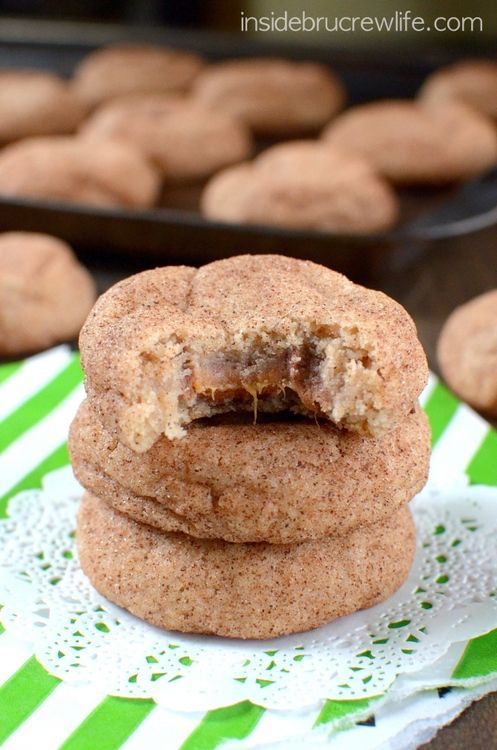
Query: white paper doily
79, 636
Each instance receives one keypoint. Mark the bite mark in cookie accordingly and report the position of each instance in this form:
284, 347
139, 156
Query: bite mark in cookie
176, 344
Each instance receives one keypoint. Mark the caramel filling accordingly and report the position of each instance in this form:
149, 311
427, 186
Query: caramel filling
220, 378
320, 373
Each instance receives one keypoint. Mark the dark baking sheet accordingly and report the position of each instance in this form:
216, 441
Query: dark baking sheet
177, 232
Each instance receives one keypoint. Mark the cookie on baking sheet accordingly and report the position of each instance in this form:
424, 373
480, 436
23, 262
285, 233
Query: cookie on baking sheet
413, 142
278, 481
467, 352
45, 294
303, 185
192, 585
272, 96
473, 82
131, 68
36, 103
266, 332
185, 139
64, 168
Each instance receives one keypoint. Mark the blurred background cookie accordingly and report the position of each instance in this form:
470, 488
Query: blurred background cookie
193, 585
106, 173
45, 294
413, 142
303, 185
36, 103
133, 68
272, 96
185, 139
473, 82
467, 352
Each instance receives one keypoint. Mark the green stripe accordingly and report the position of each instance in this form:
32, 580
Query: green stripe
479, 658
231, 723
110, 724
33, 480
480, 655
6, 371
22, 694
334, 710
42, 403
482, 468
440, 408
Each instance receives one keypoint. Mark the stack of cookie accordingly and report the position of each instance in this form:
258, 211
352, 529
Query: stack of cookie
249, 445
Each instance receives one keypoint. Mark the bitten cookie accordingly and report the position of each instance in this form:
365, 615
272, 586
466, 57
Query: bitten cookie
35, 103
171, 345
303, 185
107, 173
278, 481
473, 82
418, 142
133, 68
240, 590
184, 139
467, 352
272, 96
45, 294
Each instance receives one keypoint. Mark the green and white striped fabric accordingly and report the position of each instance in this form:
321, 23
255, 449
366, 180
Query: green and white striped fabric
38, 398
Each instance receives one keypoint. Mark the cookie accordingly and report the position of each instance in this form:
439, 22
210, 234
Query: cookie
473, 82
252, 332
303, 185
279, 481
184, 139
272, 96
180, 583
36, 103
45, 294
467, 352
129, 68
418, 142
64, 168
